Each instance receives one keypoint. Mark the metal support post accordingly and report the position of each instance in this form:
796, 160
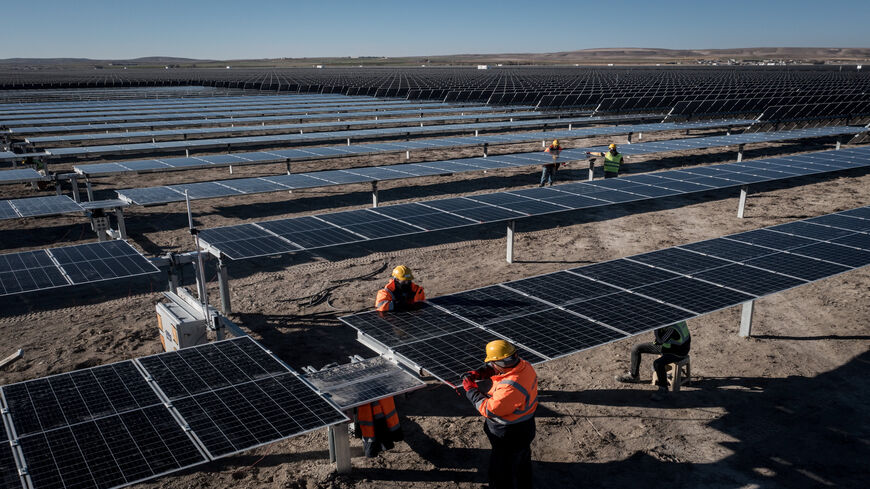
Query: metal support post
408, 155
122, 227
629, 137
89, 189
485, 150
744, 189
570, 126
639, 136
740, 153
339, 447
173, 277
200, 286
374, 193
287, 162
348, 141
231, 169
746, 319
728, 132
475, 133
591, 169
187, 153
511, 228
838, 145
74, 181
224, 286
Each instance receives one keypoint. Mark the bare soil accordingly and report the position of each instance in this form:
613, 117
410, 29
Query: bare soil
787, 408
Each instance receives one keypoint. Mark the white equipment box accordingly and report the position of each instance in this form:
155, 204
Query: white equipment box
181, 321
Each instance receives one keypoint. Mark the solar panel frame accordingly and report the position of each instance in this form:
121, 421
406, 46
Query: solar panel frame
354, 384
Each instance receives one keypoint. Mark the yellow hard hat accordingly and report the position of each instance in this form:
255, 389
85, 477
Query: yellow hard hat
499, 350
402, 272
612, 146
555, 142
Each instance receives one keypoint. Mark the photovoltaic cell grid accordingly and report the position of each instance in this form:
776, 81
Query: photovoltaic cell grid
456, 212
38, 206
109, 426
359, 383
228, 188
70, 265
557, 314
325, 136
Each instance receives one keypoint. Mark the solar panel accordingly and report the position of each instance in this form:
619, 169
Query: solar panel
100, 427
246, 240
728, 249
448, 357
9, 478
835, 253
29, 270
234, 395
489, 304
45, 206
809, 230
679, 260
561, 288
858, 240
555, 332
19, 175
629, 312
797, 266
842, 222
693, 295
750, 280
106, 260
624, 273
393, 329
359, 383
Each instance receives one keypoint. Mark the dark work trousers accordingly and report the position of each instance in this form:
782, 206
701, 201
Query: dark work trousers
548, 174
611, 174
659, 364
510, 463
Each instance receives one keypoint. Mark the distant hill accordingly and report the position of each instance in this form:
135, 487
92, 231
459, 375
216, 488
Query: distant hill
584, 56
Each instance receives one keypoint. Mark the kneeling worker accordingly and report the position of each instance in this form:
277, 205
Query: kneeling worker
673, 343
401, 293
509, 408
612, 161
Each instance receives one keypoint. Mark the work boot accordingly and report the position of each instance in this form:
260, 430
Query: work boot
660, 395
627, 378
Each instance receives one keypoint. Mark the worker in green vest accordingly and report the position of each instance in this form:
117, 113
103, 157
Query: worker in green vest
612, 161
672, 343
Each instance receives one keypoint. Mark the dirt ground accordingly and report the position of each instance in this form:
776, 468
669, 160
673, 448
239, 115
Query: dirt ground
787, 408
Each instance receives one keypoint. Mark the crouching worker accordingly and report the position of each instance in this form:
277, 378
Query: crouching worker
401, 293
378, 426
673, 343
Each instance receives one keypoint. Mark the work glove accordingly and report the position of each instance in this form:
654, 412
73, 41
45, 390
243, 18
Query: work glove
468, 384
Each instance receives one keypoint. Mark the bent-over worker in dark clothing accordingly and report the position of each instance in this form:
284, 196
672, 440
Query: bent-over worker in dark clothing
672, 342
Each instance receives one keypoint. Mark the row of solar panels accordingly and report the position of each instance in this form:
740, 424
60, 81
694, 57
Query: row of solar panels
246, 186
304, 233
172, 102
311, 153
41, 120
130, 421
323, 137
20, 175
243, 119
70, 265
52, 205
561, 313
241, 130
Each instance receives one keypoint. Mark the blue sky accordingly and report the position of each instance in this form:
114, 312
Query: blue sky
221, 29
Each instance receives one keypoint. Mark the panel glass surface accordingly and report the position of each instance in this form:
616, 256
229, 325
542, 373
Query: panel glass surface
489, 304
624, 273
797, 266
694, 295
561, 288
750, 280
630, 312
398, 328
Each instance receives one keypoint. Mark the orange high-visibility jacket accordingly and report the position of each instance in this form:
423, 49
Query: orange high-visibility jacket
368, 413
553, 149
513, 396
385, 300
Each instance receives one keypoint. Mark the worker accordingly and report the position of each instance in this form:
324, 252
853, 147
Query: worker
548, 174
401, 293
379, 426
509, 408
672, 343
612, 161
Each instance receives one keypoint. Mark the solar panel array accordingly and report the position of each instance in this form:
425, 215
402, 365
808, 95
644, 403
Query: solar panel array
325, 136
29, 271
20, 175
244, 186
280, 156
557, 314
126, 422
310, 232
358, 383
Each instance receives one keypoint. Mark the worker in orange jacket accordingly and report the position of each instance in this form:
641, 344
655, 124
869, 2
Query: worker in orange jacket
548, 174
401, 293
509, 408
379, 426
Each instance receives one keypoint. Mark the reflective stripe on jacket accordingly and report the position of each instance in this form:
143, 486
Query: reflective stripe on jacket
513, 396
612, 162
386, 298
367, 414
